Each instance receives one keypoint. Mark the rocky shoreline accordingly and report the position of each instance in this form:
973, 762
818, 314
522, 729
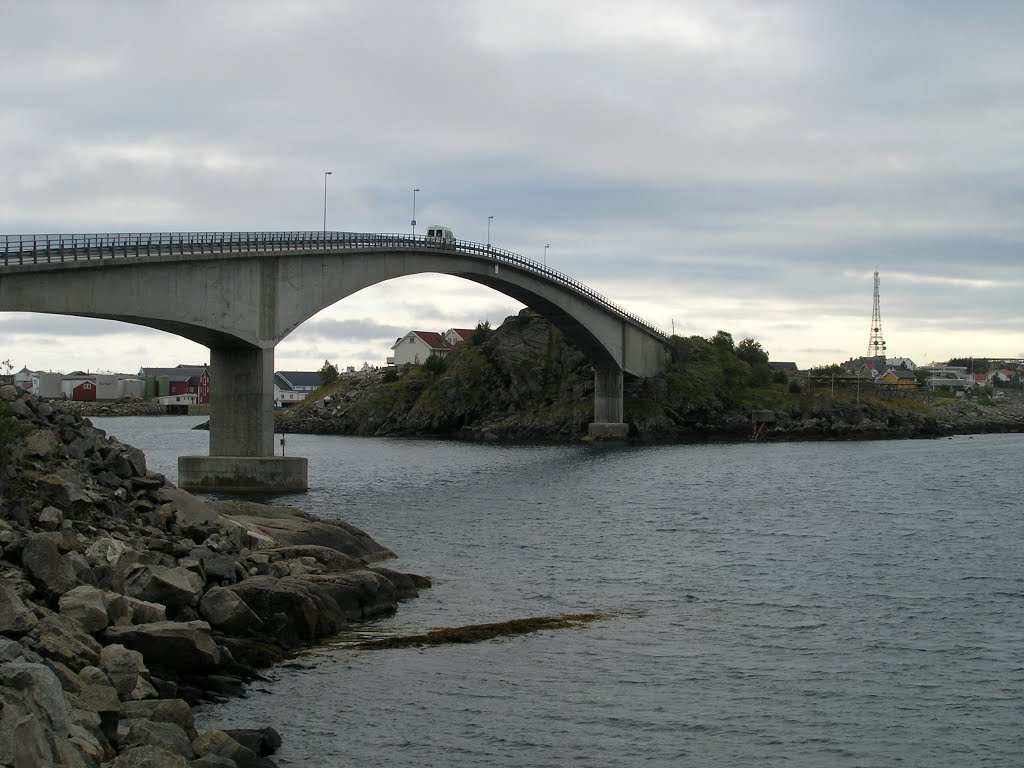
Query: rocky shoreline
125, 600
822, 420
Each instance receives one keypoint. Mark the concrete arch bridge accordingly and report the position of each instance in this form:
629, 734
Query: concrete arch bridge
241, 293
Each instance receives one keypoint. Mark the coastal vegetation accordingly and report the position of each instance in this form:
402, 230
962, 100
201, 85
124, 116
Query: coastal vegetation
525, 381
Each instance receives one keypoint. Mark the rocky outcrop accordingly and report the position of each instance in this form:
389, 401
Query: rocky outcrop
526, 382
124, 599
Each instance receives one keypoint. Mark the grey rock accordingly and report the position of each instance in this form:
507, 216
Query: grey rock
175, 711
34, 709
94, 675
41, 443
228, 612
101, 699
149, 756
119, 611
123, 667
51, 518
62, 639
190, 514
87, 605
216, 565
15, 617
262, 741
43, 561
219, 743
69, 680
212, 761
21, 408
145, 612
170, 736
186, 646
10, 650
173, 587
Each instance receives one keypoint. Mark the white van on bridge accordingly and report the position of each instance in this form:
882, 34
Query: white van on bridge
440, 235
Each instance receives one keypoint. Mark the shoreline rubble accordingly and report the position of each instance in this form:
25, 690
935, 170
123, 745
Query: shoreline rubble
125, 600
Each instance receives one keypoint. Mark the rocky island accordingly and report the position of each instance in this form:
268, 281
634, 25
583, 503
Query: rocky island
524, 381
125, 600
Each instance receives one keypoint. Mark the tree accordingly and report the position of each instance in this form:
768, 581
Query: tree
724, 340
328, 373
480, 334
750, 352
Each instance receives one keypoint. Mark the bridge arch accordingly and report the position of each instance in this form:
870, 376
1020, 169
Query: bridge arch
241, 293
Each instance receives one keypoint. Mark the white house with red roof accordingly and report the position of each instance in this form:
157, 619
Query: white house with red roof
416, 346
1003, 375
454, 335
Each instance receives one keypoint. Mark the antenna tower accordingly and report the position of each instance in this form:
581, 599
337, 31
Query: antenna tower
876, 344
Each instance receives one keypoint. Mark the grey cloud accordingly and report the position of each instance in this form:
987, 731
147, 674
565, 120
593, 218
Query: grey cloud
798, 145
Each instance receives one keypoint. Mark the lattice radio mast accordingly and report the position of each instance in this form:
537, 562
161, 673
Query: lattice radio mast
876, 344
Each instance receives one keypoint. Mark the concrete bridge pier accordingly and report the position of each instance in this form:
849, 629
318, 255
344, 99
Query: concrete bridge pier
242, 456
608, 422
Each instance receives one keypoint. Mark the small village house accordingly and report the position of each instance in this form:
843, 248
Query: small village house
454, 335
292, 387
899, 378
416, 346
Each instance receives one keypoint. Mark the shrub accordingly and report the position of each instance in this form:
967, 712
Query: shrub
435, 364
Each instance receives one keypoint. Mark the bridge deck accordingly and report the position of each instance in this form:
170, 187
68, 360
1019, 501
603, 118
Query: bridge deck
56, 249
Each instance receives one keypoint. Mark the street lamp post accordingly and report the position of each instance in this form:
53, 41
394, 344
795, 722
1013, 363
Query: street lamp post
326, 174
489, 232
546, 254
413, 222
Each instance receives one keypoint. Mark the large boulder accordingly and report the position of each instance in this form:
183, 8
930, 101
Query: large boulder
288, 612
289, 526
219, 743
62, 639
183, 646
87, 605
149, 756
123, 668
15, 617
169, 736
192, 516
47, 566
41, 444
173, 587
228, 612
34, 715
175, 711
144, 612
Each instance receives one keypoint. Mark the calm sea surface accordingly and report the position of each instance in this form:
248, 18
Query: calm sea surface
800, 604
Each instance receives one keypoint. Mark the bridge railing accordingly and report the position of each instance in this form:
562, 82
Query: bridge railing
17, 250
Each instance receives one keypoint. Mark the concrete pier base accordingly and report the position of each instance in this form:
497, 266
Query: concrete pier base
608, 431
243, 474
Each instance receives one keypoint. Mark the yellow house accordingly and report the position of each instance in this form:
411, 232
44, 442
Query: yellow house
900, 378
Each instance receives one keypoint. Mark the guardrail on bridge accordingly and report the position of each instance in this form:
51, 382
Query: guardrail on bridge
18, 250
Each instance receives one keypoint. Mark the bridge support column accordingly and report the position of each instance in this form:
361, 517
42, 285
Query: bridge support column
241, 456
242, 402
608, 422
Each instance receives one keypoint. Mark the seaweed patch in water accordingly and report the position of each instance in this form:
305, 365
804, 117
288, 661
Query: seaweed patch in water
478, 633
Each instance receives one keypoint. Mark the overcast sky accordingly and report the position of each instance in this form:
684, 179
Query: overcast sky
736, 165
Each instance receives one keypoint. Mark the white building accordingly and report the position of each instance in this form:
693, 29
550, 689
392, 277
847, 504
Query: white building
47, 385
416, 346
